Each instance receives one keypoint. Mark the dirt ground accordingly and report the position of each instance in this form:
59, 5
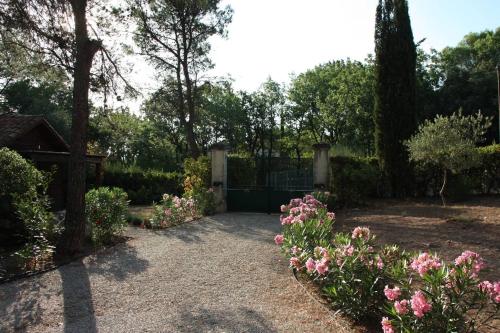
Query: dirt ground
426, 225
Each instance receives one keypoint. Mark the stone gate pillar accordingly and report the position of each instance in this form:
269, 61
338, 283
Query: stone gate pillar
218, 154
321, 166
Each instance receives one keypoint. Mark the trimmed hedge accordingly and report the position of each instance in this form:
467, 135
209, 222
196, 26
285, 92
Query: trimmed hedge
143, 187
354, 179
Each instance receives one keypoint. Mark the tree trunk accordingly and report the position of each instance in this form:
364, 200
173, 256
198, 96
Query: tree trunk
442, 191
74, 233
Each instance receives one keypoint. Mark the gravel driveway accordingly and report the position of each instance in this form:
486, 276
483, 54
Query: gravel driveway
219, 274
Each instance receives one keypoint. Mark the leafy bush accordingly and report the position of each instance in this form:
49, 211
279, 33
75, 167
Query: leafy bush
173, 210
197, 176
18, 177
143, 187
417, 292
23, 199
106, 211
353, 179
449, 143
489, 171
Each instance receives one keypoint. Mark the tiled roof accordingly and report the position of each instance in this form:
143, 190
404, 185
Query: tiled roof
14, 125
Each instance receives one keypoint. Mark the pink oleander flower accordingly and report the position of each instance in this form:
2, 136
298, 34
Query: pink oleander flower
295, 262
425, 262
321, 252
284, 208
491, 289
348, 250
361, 232
387, 325
278, 239
322, 266
295, 249
310, 265
473, 259
392, 294
380, 263
330, 215
295, 202
167, 212
419, 304
287, 220
401, 307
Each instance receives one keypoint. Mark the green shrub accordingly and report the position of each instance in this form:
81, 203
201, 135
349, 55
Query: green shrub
353, 179
143, 187
24, 206
197, 177
106, 211
489, 172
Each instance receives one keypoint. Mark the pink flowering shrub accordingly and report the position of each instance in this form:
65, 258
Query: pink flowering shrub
417, 292
173, 210
306, 224
435, 296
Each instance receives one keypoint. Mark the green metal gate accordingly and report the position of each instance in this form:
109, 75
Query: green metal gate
263, 184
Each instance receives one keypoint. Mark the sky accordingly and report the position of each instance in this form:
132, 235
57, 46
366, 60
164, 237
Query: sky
274, 38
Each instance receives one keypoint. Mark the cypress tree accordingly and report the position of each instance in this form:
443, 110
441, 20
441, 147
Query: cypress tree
395, 93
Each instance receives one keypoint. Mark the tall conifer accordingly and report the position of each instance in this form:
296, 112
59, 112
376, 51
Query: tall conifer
395, 112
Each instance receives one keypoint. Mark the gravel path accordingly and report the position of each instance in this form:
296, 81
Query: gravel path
219, 274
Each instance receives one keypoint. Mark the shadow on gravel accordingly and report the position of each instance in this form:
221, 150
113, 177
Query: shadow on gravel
242, 225
77, 294
21, 301
231, 320
19, 304
118, 262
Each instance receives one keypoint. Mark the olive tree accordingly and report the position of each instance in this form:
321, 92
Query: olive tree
449, 143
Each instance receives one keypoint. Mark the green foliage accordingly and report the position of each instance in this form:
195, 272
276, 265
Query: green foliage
489, 171
353, 179
130, 140
465, 77
333, 102
241, 170
449, 143
395, 93
197, 176
222, 116
142, 186
106, 211
51, 100
23, 198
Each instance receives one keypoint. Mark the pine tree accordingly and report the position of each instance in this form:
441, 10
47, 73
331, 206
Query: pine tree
395, 111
